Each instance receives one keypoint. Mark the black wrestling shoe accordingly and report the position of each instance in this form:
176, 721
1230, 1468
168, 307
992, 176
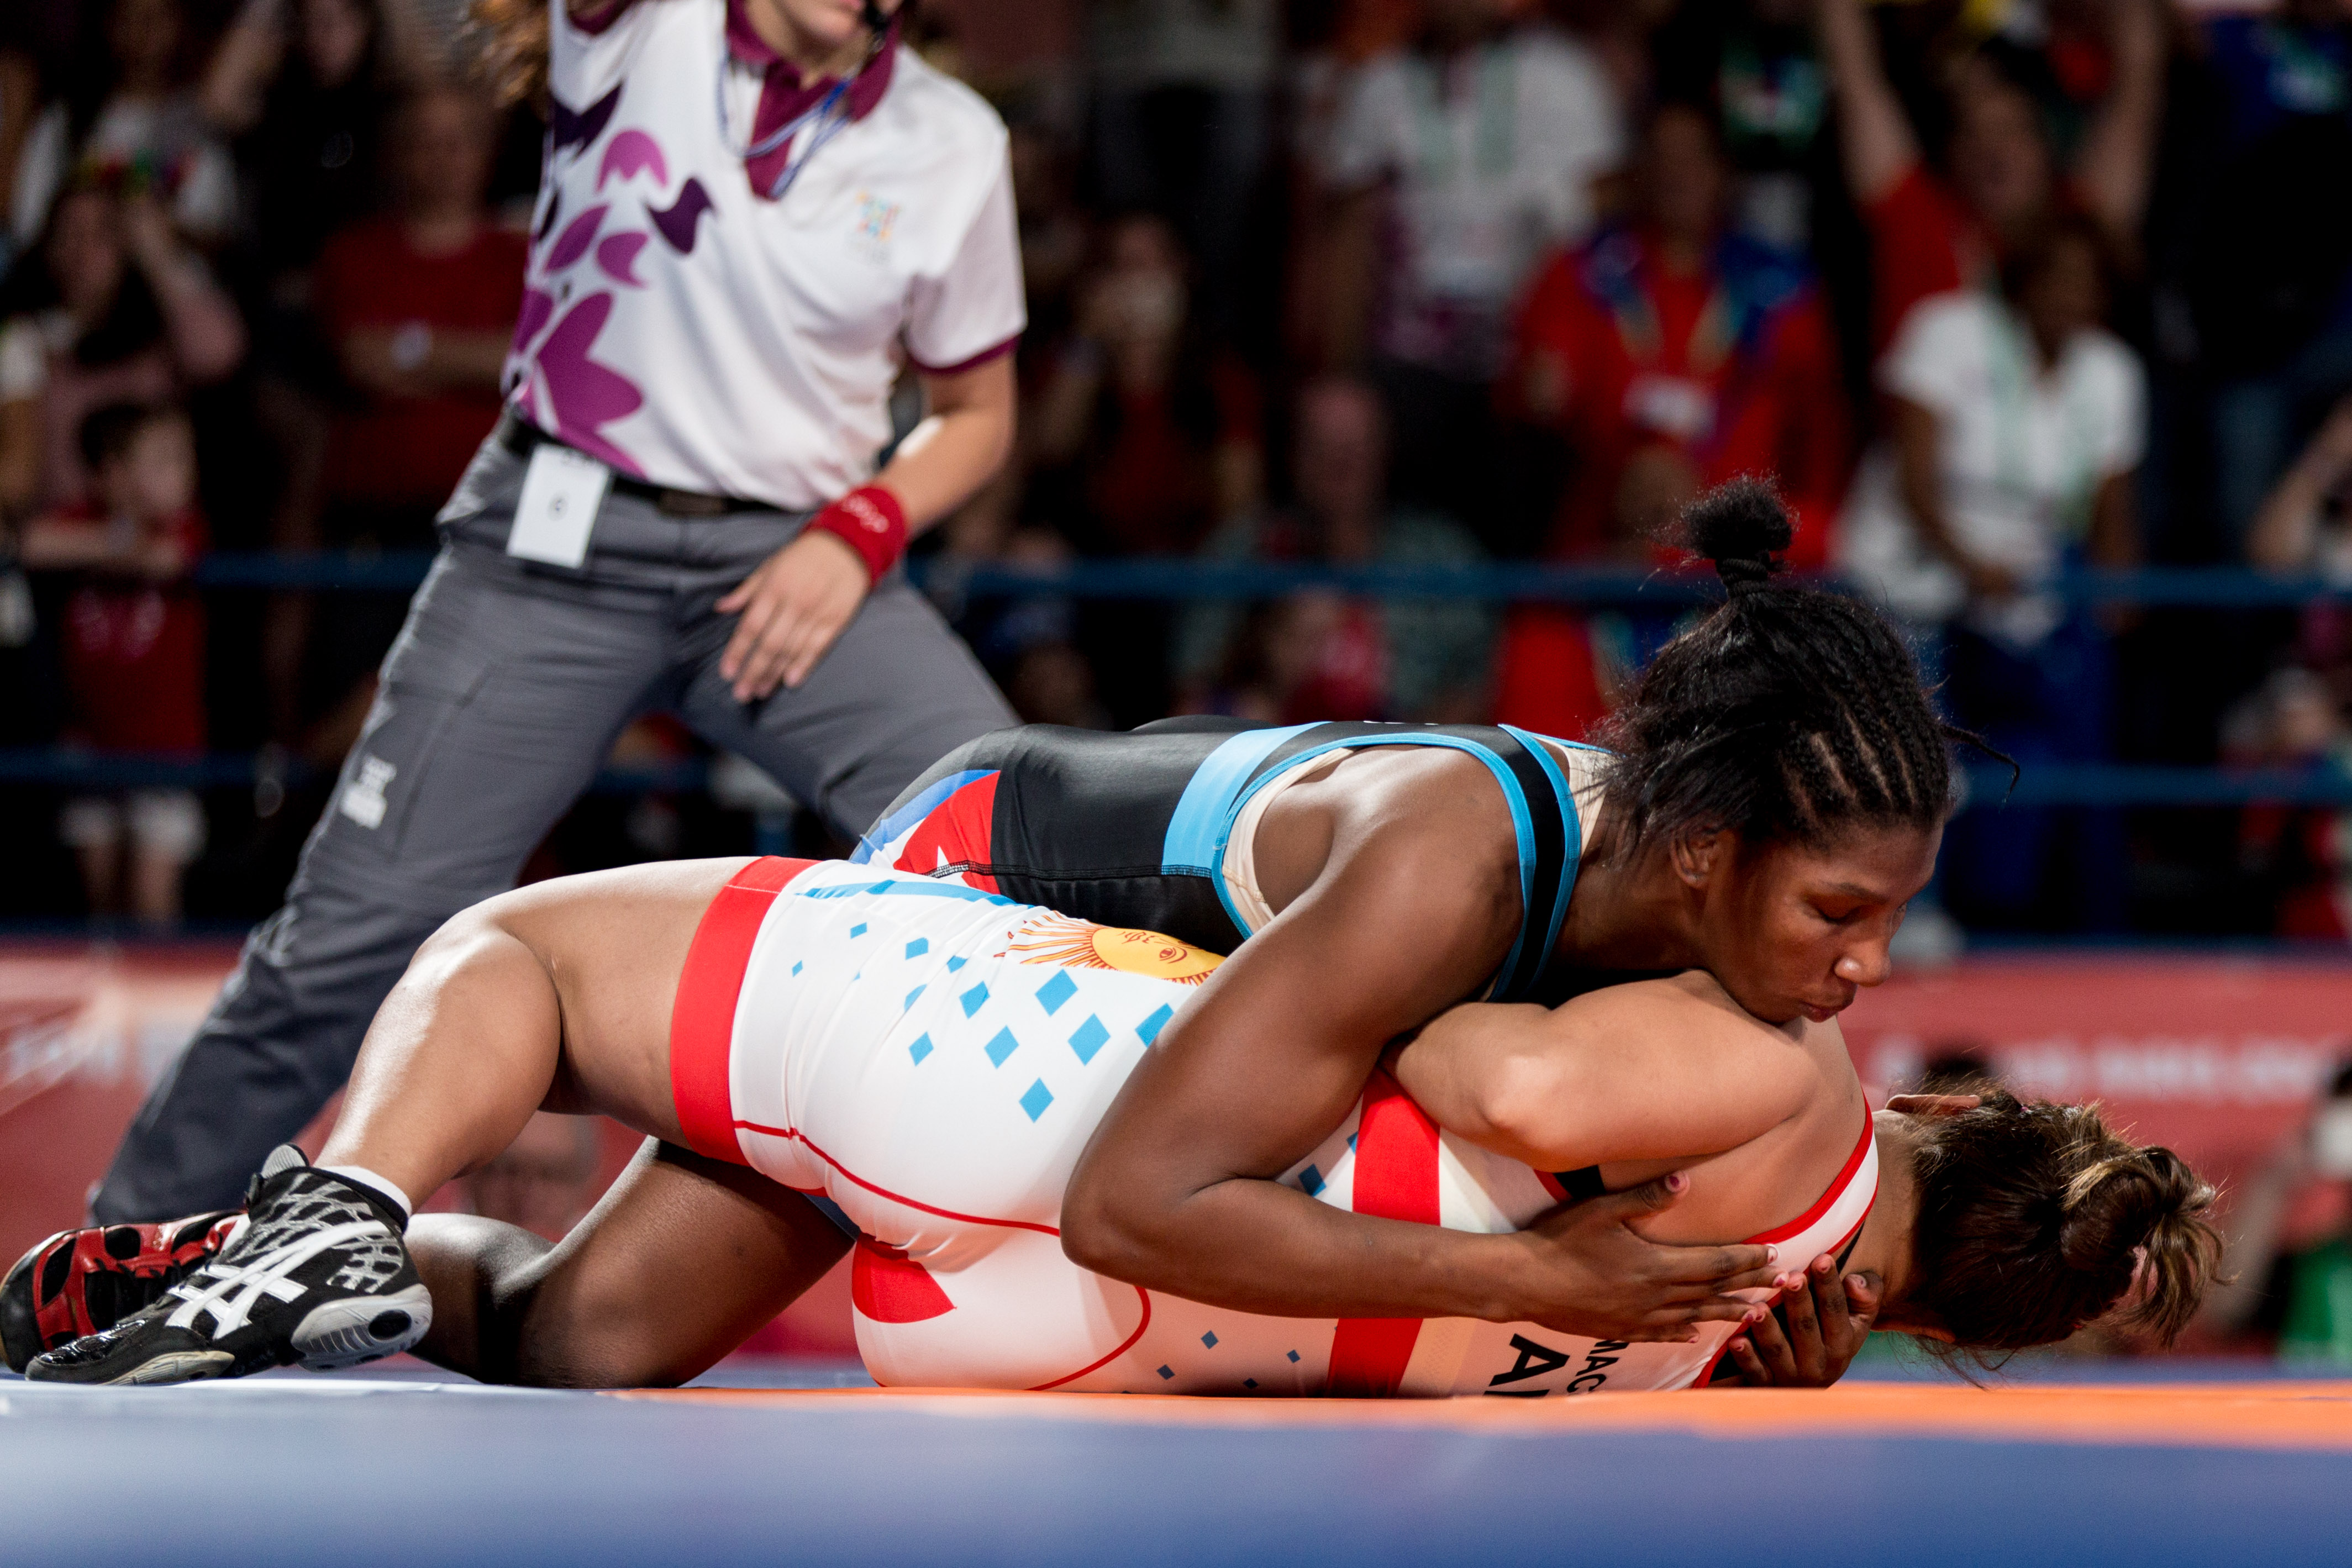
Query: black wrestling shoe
318, 1276
81, 1282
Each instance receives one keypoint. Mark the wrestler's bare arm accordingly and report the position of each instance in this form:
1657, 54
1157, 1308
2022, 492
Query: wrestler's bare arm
1412, 908
1655, 1070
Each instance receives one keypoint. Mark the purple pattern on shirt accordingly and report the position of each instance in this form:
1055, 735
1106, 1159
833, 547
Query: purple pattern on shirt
586, 395
678, 222
577, 236
538, 305
633, 152
570, 128
617, 255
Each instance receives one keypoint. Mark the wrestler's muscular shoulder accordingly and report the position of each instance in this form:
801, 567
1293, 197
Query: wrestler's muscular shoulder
1425, 830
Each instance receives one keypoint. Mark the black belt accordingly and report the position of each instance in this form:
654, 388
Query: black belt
522, 438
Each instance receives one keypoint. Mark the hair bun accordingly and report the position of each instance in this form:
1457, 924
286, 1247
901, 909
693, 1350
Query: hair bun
1739, 526
2106, 1211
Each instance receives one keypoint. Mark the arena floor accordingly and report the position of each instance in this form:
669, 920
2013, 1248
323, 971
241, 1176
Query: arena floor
2211, 1465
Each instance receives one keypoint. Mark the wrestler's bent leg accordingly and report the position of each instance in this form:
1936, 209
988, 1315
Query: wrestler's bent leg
500, 701
684, 1258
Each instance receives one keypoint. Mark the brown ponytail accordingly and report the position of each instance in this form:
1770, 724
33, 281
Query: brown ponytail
513, 41
2036, 1219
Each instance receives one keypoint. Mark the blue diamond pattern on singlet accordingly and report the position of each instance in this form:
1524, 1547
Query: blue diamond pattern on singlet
1209, 1340
1002, 1047
917, 991
920, 1048
1166, 1372
797, 967
1311, 1181
1149, 1030
1035, 1098
920, 946
1057, 991
857, 931
973, 1000
954, 964
1294, 1355
1089, 1039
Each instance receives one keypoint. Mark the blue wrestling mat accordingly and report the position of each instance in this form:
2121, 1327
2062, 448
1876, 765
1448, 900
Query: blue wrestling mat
407, 1471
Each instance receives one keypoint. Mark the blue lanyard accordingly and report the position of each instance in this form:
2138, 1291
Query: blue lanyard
831, 126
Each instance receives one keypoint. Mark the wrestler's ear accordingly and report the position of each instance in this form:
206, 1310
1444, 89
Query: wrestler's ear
1933, 1105
1696, 855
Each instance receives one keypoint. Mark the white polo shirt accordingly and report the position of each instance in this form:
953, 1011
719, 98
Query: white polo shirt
2021, 454
694, 332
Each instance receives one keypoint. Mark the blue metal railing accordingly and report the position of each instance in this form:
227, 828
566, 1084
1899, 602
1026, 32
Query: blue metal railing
1498, 581
2105, 785
2110, 785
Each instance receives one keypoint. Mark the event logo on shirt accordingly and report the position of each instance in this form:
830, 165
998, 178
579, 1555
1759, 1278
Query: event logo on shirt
875, 220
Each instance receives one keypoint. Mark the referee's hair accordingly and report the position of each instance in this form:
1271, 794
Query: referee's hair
1789, 713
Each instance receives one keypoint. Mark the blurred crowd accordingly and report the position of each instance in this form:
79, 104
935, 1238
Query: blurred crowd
1992, 287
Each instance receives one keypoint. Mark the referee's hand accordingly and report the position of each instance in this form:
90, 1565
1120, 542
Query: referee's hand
792, 607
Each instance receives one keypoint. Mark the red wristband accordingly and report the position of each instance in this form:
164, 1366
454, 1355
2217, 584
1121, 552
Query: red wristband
871, 521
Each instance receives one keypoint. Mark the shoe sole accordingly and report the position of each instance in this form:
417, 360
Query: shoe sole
173, 1366
361, 1329
20, 1329
180, 1366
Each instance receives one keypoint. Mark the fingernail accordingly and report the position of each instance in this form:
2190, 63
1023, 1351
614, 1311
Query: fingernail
1677, 1182
1822, 1266
1772, 1255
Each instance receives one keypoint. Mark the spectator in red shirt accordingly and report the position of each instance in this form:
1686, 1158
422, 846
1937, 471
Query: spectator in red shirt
1670, 354
134, 649
419, 306
1674, 341
1930, 231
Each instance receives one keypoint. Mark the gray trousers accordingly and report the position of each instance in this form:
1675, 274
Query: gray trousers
498, 702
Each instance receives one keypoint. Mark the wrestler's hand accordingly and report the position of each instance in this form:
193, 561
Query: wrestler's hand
1598, 1277
1828, 1319
792, 607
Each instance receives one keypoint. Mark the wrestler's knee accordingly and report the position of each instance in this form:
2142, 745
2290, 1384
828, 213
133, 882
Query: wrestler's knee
479, 1272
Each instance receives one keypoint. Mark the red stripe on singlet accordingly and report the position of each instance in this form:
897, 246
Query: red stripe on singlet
1143, 1296
1804, 1222
702, 1019
1396, 1178
960, 833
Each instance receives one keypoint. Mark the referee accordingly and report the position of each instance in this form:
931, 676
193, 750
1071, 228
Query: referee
751, 211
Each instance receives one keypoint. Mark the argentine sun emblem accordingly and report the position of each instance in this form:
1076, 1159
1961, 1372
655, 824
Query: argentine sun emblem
1082, 944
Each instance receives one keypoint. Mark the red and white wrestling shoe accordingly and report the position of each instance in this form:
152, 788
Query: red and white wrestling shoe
81, 1282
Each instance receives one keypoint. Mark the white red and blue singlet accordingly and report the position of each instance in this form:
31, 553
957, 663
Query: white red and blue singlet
929, 1059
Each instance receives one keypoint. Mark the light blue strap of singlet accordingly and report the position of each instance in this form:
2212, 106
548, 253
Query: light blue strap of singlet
1235, 786
1572, 823
879, 837
1195, 845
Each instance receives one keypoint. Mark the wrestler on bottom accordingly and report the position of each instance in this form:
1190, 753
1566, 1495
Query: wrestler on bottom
922, 1064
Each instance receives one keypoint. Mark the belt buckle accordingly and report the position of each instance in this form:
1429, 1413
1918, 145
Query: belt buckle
689, 503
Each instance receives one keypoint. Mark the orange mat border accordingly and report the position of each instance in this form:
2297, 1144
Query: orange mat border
2308, 1415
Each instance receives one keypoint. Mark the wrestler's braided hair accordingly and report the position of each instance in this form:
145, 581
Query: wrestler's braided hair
1789, 713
